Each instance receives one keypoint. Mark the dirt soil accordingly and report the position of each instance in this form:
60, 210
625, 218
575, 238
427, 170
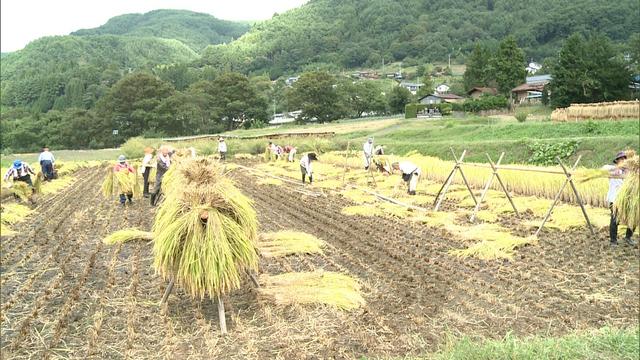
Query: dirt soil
66, 295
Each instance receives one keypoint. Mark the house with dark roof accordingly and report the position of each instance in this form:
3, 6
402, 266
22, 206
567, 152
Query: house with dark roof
413, 87
440, 98
476, 92
531, 90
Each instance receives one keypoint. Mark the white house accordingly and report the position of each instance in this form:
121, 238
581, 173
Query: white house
413, 87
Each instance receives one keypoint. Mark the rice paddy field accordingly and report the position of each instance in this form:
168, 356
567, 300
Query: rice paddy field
342, 274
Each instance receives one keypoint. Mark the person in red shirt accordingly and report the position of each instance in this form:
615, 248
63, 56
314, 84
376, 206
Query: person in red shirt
291, 151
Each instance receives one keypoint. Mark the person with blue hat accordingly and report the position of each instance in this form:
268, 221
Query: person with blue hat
123, 165
617, 172
20, 171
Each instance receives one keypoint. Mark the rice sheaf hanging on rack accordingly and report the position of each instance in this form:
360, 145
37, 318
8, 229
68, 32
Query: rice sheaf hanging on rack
205, 230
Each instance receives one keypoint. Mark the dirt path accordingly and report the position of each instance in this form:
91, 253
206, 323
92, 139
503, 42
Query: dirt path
65, 294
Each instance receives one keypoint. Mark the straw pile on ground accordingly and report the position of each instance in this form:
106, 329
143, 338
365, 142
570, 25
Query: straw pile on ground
283, 243
318, 287
125, 235
626, 204
204, 231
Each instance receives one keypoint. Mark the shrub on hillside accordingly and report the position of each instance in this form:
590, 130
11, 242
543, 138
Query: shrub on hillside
521, 116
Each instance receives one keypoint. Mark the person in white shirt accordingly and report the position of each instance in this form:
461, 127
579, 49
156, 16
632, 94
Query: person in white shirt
305, 166
147, 166
410, 174
222, 149
617, 173
47, 162
20, 171
367, 151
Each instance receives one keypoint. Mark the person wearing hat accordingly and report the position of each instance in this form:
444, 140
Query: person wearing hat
367, 150
617, 173
123, 165
20, 171
146, 167
222, 149
47, 162
410, 174
162, 166
305, 166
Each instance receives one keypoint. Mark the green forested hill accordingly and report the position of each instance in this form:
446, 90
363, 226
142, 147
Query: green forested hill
352, 33
63, 71
197, 30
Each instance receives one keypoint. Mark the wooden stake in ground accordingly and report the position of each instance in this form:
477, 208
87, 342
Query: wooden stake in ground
222, 316
445, 187
568, 180
346, 157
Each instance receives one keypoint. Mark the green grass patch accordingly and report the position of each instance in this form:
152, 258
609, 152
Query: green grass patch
606, 343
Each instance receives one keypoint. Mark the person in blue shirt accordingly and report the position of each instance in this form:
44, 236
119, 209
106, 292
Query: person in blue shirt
47, 162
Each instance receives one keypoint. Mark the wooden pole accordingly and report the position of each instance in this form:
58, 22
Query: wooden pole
487, 185
556, 198
504, 188
221, 316
253, 278
394, 201
575, 191
346, 157
464, 178
443, 185
167, 291
443, 191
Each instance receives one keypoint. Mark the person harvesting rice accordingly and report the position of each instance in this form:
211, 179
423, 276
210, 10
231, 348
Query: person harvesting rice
20, 171
162, 165
47, 162
618, 172
147, 166
367, 153
122, 171
410, 174
305, 166
222, 149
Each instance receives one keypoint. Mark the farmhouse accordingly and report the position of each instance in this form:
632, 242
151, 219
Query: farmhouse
442, 89
476, 92
531, 90
440, 98
413, 87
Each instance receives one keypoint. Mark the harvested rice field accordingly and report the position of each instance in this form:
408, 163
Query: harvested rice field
65, 294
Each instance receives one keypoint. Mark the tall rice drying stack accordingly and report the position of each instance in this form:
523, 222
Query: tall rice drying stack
626, 204
205, 230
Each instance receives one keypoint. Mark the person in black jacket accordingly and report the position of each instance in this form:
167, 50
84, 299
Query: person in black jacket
164, 161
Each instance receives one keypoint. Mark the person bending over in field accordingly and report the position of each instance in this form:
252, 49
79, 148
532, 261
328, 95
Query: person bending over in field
163, 163
410, 174
20, 171
617, 173
291, 151
305, 166
123, 165
47, 162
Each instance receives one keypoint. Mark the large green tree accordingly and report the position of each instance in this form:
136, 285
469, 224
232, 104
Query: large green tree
316, 95
478, 71
362, 97
398, 98
129, 105
508, 66
237, 101
588, 70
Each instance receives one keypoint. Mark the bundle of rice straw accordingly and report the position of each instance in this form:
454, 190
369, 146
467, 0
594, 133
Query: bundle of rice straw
204, 231
22, 190
121, 182
626, 204
125, 235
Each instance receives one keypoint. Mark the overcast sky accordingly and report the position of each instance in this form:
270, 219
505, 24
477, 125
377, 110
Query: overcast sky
23, 21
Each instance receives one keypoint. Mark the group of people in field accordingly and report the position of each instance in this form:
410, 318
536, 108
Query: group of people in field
21, 171
373, 159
